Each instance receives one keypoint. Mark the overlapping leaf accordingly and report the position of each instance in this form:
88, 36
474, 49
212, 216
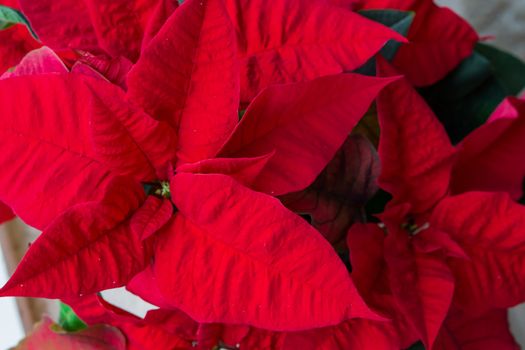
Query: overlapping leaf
286, 277
243, 170
9, 16
113, 69
91, 247
438, 40
188, 76
289, 41
422, 284
337, 197
39, 61
491, 158
416, 155
303, 131
15, 41
126, 139
47, 158
489, 227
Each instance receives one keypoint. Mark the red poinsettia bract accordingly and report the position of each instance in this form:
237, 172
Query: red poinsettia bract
439, 250
222, 249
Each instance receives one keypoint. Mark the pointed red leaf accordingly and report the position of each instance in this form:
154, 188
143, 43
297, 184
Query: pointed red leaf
48, 162
39, 61
49, 336
489, 227
491, 158
470, 332
422, 284
127, 140
91, 247
61, 24
251, 260
438, 40
243, 170
416, 154
144, 285
304, 124
188, 76
337, 197
285, 41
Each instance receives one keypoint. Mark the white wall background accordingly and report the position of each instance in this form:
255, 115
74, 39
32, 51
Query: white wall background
11, 330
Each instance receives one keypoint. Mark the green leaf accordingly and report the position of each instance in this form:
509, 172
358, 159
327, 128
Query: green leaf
241, 113
10, 17
466, 97
68, 320
464, 80
400, 21
508, 69
417, 346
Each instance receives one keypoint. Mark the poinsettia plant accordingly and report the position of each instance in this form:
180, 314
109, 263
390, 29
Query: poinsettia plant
288, 174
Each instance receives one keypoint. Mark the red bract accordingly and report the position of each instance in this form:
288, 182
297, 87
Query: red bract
203, 79
438, 39
117, 28
281, 255
301, 152
287, 41
439, 247
491, 158
91, 146
484, 332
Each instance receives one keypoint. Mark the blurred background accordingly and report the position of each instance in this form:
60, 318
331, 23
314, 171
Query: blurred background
502, 19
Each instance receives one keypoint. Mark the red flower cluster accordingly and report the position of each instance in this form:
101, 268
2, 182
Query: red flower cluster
121, 141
